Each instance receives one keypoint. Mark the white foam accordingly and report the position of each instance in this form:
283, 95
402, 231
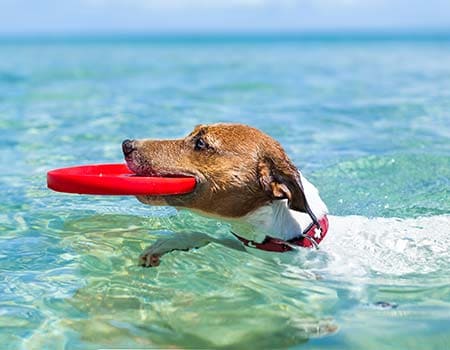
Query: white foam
358, 246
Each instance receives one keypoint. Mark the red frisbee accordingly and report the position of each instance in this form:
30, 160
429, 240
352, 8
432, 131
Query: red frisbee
115, 179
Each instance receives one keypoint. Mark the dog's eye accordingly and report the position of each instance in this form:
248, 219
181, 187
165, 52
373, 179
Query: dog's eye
200, 144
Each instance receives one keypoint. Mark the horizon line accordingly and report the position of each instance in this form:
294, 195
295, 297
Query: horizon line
280, 34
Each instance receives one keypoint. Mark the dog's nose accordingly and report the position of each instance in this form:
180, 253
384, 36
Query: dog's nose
128, 147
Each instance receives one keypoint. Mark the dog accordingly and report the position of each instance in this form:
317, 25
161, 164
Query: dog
244, 177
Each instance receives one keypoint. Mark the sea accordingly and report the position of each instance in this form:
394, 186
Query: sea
365, 117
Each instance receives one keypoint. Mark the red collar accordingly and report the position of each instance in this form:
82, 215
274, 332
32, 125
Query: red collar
310, 238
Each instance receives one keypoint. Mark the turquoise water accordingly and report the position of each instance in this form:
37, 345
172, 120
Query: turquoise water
368, 122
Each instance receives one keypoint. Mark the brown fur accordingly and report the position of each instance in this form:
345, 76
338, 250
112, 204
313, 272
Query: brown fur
238, 169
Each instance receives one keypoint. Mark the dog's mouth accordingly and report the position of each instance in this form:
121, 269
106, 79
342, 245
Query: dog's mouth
147, 171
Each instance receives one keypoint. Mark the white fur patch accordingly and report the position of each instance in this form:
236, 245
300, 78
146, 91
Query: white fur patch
277, 220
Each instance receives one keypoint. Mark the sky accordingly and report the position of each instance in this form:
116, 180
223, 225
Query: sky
160, 16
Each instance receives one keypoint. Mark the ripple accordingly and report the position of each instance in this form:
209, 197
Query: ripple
392, 186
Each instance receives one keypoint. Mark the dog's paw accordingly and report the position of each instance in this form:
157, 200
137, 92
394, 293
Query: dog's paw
183, 241
149, 259
152, 255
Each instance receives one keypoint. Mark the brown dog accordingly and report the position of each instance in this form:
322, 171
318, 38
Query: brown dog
243, 177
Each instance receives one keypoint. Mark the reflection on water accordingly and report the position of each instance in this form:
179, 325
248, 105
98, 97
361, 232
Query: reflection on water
209, 297
89, 290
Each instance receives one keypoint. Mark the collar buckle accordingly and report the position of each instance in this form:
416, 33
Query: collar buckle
317, 232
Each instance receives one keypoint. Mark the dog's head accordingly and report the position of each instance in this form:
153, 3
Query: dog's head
238, 169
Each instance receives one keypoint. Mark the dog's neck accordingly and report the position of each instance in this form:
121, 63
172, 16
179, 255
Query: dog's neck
277, 220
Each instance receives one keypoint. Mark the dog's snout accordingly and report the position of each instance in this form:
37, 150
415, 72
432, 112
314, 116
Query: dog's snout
128, 147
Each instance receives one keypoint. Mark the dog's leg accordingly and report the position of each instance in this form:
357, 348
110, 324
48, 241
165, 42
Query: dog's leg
182, 241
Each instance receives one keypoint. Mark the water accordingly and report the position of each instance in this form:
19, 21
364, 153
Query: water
367, 121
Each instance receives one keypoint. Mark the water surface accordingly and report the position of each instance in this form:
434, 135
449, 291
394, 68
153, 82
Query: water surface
367, 121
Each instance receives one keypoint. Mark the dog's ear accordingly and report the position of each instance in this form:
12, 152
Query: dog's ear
280, 179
